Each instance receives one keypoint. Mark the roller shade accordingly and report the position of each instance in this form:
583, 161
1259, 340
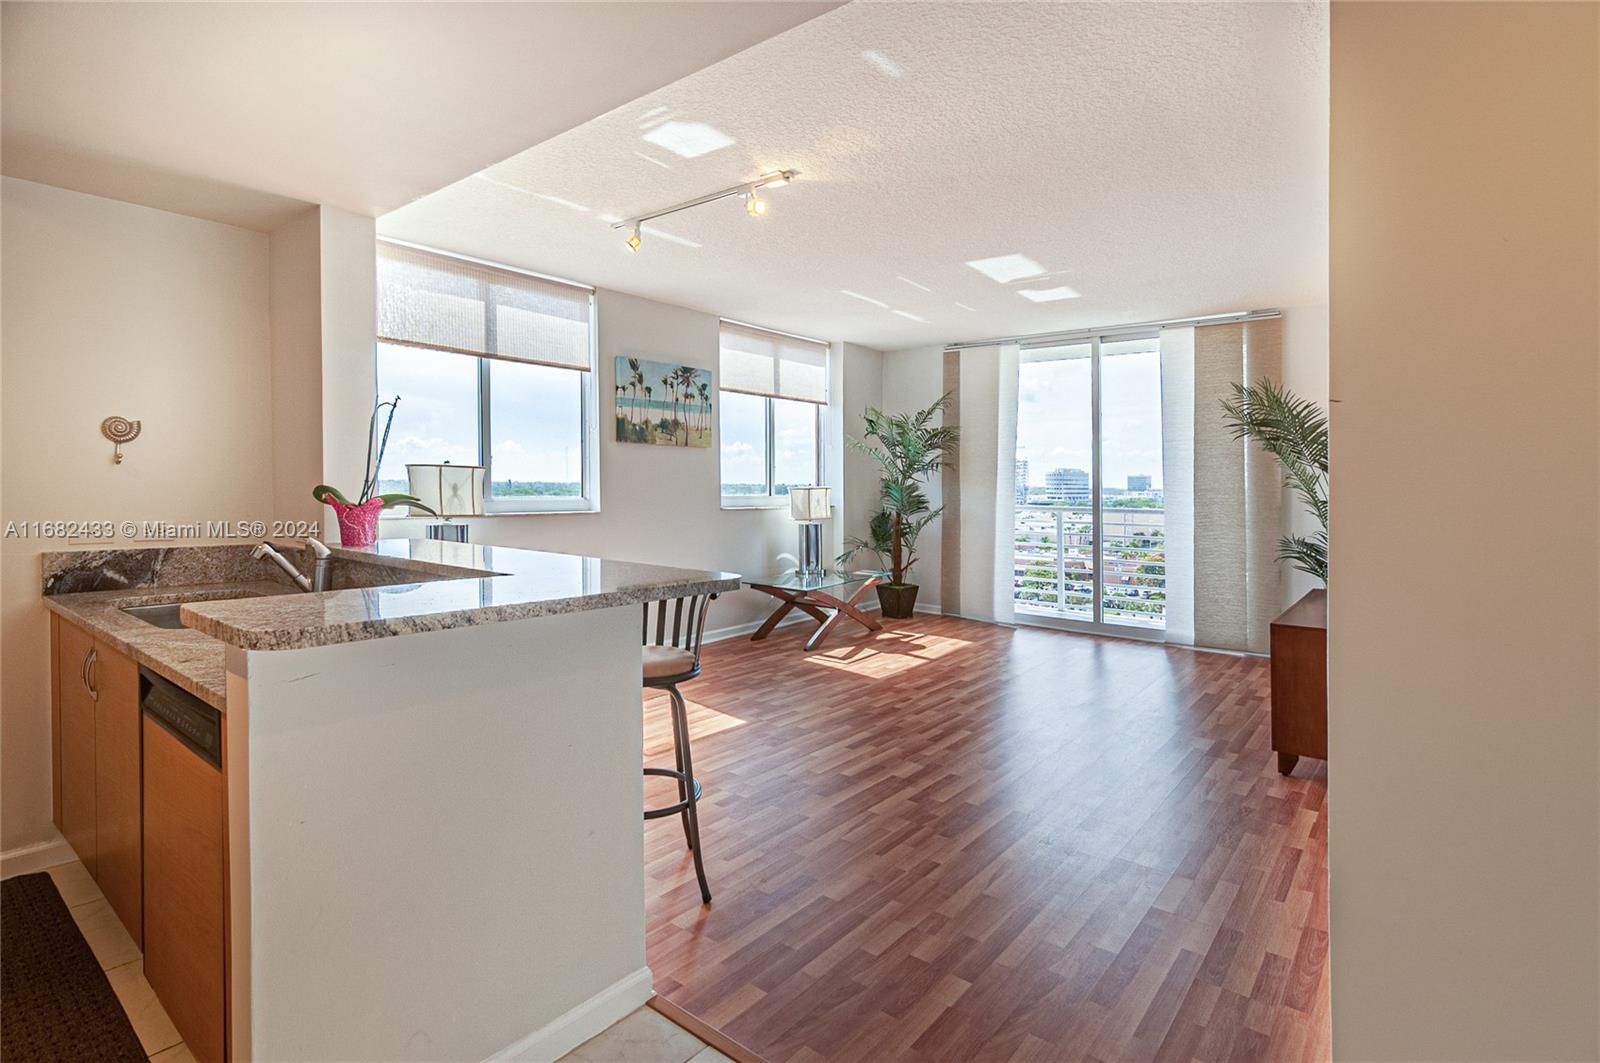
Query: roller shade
758, 362
427, 299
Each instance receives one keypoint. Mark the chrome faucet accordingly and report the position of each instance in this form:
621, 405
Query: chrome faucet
322, 562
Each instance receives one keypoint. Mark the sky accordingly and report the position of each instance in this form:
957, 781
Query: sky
535, 416
1053, 414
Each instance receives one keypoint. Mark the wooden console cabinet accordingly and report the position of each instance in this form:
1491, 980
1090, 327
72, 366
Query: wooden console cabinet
1300, 681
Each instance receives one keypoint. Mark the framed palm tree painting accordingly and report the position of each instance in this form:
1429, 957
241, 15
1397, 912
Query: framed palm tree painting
662, 404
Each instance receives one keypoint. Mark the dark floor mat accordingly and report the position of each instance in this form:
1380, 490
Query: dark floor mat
55, 1002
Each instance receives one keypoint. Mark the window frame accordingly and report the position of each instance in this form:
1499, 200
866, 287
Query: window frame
588, 498
769, 500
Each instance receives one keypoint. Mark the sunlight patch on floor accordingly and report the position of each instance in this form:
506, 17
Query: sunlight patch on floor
887, 655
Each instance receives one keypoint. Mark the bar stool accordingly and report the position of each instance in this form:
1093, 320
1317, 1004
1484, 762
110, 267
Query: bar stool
671, 658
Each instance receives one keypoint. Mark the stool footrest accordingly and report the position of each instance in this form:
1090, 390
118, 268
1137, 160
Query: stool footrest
673, 809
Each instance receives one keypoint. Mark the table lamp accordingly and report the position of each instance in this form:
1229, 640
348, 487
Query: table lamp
809, 506
451, 491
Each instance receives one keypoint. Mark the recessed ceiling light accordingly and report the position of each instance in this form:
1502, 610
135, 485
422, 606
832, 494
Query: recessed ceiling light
909, 314
1007, 268
688, 140
880, 304
1047, 295
914, 284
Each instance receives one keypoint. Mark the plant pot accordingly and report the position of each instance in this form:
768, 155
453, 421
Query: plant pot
358, 524
897, 600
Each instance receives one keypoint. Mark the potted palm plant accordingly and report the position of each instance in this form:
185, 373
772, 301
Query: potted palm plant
1295, 431
908, 448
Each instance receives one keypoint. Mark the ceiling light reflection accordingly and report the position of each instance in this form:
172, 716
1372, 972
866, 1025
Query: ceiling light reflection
688, 140
1047, 295
1004, 269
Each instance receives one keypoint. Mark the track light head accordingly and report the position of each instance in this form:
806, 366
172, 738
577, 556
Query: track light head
634, 240
754, 205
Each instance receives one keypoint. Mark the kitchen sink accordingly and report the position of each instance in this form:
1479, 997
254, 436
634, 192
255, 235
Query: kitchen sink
166, 614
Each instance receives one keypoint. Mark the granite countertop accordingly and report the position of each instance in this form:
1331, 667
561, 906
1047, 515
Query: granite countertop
194, 661
466, 584
456, 585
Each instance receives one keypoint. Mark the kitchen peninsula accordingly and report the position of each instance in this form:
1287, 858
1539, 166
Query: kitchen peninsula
429, 833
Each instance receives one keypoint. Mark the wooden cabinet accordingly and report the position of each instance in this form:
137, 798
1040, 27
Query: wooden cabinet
119, 831
185, 886
1300, 681
75, 772
96, 706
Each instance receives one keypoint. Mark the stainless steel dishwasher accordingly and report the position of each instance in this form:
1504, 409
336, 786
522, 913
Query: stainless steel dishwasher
185, 863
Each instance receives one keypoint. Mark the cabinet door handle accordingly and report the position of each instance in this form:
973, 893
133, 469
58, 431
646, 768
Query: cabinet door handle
94, 659
83, 672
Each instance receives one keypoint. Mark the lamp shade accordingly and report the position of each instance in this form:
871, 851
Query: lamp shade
452, 490
807, 504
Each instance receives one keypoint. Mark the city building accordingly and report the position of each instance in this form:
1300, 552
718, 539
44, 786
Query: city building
1139, 483
1067, 485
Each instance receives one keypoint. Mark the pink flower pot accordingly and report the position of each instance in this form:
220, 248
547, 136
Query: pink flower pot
358, 524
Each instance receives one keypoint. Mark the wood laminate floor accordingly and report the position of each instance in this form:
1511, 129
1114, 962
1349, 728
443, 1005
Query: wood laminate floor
959, 841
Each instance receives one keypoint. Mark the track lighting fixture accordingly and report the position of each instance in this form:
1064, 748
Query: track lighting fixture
754, 204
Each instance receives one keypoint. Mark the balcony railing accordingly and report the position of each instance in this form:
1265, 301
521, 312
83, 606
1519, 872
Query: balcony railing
1055, 562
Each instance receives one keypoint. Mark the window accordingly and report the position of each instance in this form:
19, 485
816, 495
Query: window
493, 367
1090, 540
773, 389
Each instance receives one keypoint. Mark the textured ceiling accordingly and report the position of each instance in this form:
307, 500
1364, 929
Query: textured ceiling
1157, 160
246, 112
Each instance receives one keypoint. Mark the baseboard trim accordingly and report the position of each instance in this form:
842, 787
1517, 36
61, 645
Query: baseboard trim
555, 1039
704, 1030
26, 859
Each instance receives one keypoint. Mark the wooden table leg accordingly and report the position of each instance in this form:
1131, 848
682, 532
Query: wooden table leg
842, 609
790, 600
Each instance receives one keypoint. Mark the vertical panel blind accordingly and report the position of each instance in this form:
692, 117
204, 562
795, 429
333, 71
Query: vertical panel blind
758, 362
438, 301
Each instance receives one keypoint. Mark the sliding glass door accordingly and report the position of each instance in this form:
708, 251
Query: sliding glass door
1090, 544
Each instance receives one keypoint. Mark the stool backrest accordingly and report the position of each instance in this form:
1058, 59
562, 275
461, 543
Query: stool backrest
678, 622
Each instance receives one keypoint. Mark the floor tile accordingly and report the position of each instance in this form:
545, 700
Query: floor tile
105, 934
643, 1037
709, 1055
149, 1018
176, 1054
74, 884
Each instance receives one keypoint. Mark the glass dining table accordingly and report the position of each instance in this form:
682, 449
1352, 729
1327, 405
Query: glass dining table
822, 596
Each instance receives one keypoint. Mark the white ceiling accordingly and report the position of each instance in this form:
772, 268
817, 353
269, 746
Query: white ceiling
247, 112
1160, 160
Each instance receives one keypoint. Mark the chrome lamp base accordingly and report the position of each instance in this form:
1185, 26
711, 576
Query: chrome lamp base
810, 549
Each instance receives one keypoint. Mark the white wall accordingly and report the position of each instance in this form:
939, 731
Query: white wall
109, 309
662, 505
296, 302
1305, 372
913, 379
863, 387
1464, 715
